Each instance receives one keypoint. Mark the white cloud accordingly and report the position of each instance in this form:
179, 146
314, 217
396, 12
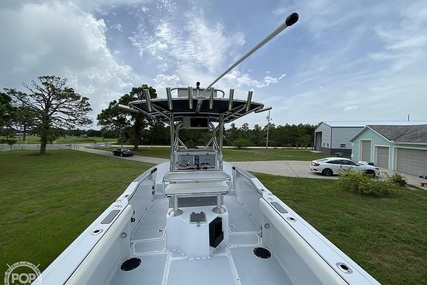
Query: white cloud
57, 38
339, 56
351, 108
371, 59
244, 80
405, 42
118, 27
185, 42
157, 48
163, 81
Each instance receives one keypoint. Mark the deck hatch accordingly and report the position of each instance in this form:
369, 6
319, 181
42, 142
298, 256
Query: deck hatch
198, 217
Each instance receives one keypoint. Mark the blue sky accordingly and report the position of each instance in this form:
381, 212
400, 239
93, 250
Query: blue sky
343, 60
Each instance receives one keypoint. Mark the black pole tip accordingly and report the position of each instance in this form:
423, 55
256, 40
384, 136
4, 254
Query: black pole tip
292, 19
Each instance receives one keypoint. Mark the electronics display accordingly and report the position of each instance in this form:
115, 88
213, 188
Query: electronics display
196, 160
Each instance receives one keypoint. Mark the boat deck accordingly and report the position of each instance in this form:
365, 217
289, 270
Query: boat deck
233, 263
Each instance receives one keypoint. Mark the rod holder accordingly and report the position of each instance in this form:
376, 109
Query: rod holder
190, 97
263, 110
148, 100
169, 95
211, 100
248, 104
230, 99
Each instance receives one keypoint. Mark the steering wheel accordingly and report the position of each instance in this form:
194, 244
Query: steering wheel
205, 165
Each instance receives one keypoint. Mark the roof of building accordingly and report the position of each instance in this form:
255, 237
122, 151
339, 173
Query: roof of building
402, 134
399, 134
362, 124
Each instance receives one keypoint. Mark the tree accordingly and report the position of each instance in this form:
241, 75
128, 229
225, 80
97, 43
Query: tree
244, 130
24, 121
139, 122
156, 134
54, 105
232, 134
128, 125
113, 120
7, 111
258, 136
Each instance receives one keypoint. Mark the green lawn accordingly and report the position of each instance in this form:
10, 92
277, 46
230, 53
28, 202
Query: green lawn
387, 237
47, 201
249, 154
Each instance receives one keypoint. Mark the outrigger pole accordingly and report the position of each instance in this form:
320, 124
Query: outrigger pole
290, 20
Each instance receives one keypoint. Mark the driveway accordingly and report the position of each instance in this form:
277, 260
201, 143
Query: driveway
291, 168
277, 167
301, 169
147, 159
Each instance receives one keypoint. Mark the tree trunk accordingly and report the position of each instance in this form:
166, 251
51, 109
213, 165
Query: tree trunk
43, 143
44, 136
24, 136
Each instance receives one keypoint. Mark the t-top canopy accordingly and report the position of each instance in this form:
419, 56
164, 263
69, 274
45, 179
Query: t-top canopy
195, 103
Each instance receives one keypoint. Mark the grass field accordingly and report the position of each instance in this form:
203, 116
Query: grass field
249, 154
47, 201
387, 237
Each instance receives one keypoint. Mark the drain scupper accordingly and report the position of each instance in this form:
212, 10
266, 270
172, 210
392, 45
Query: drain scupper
130, 264
262, 252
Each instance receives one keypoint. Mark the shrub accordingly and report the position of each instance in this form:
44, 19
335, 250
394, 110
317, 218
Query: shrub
397, 178
241, 143
9, 141
191, 144
362, 184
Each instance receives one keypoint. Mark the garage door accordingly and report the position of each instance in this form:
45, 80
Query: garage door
382, 156
366, 151
412, 161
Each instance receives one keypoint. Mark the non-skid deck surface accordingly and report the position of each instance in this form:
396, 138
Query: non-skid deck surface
150, 271
238, 266
153, 224
240, 221
210, 271
234, 264
255, 270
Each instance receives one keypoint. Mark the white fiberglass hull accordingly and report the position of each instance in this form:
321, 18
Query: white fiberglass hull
138, 230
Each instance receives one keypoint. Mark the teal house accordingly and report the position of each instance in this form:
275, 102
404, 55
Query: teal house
400, 148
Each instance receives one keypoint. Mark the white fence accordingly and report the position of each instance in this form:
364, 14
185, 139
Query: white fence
6, 147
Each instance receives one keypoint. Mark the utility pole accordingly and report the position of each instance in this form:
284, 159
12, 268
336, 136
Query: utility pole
268, 128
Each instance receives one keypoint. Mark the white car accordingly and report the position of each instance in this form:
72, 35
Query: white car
331, 166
